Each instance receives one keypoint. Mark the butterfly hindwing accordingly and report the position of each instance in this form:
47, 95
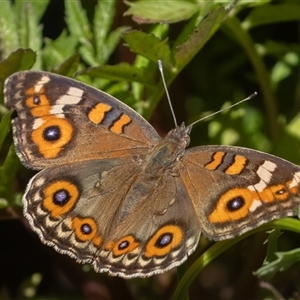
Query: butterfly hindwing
99, 212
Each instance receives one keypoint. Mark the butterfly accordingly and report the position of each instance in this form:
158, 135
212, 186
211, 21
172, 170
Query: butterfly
111, 192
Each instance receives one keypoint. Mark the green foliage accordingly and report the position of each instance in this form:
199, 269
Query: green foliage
214, 53
149, 12
284, 261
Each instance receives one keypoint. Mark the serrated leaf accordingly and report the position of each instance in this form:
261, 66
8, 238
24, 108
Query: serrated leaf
20, 25
8, 33
272, 245
58, 50
149, 46
122, 71
77, 20
269, 14
79, 27
88, 55
161, 11
29, 29
21, 59
202, 33
284, 261
39, 7
104, 15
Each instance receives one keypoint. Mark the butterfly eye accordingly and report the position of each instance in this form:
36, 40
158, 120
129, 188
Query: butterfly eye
52, 133
235, 203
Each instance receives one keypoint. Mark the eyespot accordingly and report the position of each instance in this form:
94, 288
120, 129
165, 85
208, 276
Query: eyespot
36, 100
123, 246
86, 230
52, 133
52, 136
235, 204
164, 240
61, 197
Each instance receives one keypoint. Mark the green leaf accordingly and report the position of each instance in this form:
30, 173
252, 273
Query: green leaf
77, 21
284, 261
103, 18
272, 245
20, 27
110, 45
69, 66
161, 11
3, 203
278, 48
39, 7
149, 46
9, 31
58, 50
30, 31
269, 14
214, 251
7, 174
21, 59
290, 136
122, 71
104, 15
202, 33
79, 27
5, 126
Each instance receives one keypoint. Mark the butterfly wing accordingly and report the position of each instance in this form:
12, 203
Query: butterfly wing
120, 222
61, 120
236, 189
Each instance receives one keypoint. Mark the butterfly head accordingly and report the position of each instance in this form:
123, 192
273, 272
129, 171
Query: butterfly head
180, 135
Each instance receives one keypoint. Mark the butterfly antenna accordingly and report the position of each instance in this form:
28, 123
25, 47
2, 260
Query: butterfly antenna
160, 66
217, 112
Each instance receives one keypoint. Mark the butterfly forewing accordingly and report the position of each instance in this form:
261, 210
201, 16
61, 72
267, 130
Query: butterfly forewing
236, 189
62, 120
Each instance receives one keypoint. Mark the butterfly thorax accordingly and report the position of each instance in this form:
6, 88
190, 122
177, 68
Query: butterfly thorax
169, 150
162, 161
